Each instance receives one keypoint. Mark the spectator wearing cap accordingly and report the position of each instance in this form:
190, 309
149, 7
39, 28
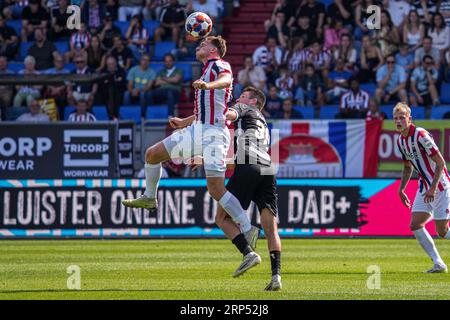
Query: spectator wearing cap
34, 16
109, 31
82, 91
58, 29
92, 14
172, 19
130, 8
391, 80
251, 75
122, 53
137, 36
168, 85
9, 41
424, 84
354, 102
42, 50
27, 93
81, 113
141, 80
35, 114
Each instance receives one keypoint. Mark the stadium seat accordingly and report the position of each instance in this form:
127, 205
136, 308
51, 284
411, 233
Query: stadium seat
157, 112
16, 66
123, 26
100, 112
370, 88
387, 109
67, 111
16, 25
11, 114
61, 46
69, 66
438, 112
417, 113
445, 93
23, 52
161, 48
130, 112
329, 112
306, 111
151, 26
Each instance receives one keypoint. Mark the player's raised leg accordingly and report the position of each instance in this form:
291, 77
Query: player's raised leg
154, 156
269, 224
418, 221
232, 232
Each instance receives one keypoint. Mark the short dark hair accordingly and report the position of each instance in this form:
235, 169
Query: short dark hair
169, 55
427, 56
258, 94
220, 43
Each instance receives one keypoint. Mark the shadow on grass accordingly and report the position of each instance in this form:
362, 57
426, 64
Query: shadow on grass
92, 290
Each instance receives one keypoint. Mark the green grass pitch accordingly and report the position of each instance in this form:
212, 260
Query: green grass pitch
201, 269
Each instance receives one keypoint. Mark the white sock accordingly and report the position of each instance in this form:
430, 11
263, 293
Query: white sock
232, 206
447, 235
152, 176
427, 243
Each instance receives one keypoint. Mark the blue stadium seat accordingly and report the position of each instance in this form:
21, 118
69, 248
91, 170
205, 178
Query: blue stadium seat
123, 26
23, 52
438, 112
445, 93
387, 109
417, 113
67, 111
306, 111
370, 88
329, 112
70, 66
16, 25
100, 112
16, 66
151, 26
157, 112
11, 114
61, 46
161, 48
130, 112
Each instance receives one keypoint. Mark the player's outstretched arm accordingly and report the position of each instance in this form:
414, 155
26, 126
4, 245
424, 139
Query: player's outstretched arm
406, 176
179, 123
439, 169
231, 115
224, 81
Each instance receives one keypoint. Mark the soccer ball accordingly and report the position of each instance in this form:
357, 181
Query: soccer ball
198, 24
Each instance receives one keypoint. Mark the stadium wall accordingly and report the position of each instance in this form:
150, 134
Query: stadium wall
91, 208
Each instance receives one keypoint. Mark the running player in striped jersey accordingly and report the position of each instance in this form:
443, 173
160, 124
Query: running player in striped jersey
420, 152
203, 134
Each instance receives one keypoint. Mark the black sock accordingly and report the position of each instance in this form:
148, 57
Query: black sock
275, 262
241, 243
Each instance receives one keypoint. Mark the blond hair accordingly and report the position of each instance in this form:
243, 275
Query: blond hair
402, 106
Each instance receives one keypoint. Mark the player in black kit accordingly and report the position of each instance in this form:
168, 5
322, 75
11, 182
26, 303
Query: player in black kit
253, 180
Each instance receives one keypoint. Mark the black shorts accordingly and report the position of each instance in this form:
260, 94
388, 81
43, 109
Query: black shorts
247, 185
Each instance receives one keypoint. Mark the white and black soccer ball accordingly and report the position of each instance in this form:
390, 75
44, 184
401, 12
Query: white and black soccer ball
198, 24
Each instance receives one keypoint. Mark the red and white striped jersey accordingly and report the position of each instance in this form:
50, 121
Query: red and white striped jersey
211, 105
418, 148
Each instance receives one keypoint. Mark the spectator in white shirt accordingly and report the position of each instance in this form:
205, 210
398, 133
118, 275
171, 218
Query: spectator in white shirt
81, 113
251, 75
440, 33
268, 56
27, 93
34, 115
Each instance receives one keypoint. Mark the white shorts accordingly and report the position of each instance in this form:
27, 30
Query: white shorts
211, 142
439, 208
